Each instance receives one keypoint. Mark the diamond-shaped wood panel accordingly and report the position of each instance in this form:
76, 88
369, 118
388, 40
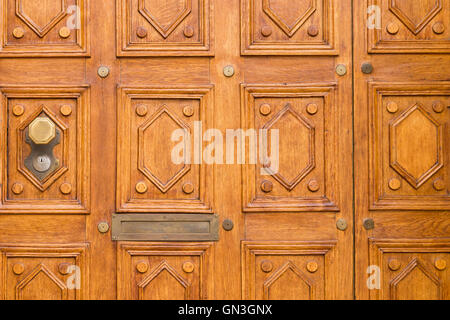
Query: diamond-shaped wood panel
294, 27
411, 269
287, 271
152, 175
408, 168
405, 26
64, 186
292, 120
54, 28
165, 271
165, 28
44, 272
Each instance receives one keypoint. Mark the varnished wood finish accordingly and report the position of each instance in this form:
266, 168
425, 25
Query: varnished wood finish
401, 149
166, 62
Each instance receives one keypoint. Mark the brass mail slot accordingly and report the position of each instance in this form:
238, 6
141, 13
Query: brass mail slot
165, 227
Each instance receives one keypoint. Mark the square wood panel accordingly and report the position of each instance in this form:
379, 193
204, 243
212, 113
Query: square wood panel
65, 189
38, 272
161, 271
149, 179
409, 141
44, 28
285, 270
305, 118
169, 28
304, 27
402, 26
411, 269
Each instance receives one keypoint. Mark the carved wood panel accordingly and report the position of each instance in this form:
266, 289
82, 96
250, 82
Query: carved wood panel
159, 271
66, 188
412, 270
44, 272
304, 176
409, 146
285, 270
401, 26
44, 28
149, 178
166, 28
288, 27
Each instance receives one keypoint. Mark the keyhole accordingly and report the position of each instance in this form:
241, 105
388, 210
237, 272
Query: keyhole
42, 163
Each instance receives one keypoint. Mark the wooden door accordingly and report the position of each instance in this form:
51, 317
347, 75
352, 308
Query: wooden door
97, 95
402, 177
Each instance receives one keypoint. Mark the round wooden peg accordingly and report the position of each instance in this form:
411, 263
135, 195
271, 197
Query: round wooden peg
438, 28
141, 110
439, 184
392, 28
266, 266
18, 110
188, 267
63, 268
440, 264
392, 107
313, 30
188, 188
17, 188
394, 264
266, 31
438, 107
64, 32
313, 185
312, 266
395, 184
141, 187
141, 32
265, 109
18, 33
142, 267
65, 188
188, 111
66, 110
266, 186
18, 268
188, 32
312, 108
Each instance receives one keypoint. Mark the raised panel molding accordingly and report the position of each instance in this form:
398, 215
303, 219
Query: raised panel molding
44, 272
409, 169
409, 27
149, 117
170, 28
39, 29
66, 189
296, 27
304, 181
411, 269
273, 270
163, 271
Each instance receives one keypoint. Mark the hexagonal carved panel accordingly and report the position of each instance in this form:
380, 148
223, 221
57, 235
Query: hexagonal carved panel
411, 269
157, 271
289, 171
152, 177
36, 173
409, 26
44, 28
409, 166
165, 28
279, 270
288, 27
36, 273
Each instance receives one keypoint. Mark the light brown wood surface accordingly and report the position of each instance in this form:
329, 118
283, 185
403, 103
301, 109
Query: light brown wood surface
352, 146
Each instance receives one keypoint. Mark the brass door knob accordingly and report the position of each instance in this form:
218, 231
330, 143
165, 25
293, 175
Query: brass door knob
42, 131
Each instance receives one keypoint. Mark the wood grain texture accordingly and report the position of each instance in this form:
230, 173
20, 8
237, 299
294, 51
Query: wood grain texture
271, 27
415, 22
40, 275
166, 28
73, 151
166, 275
41, 23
